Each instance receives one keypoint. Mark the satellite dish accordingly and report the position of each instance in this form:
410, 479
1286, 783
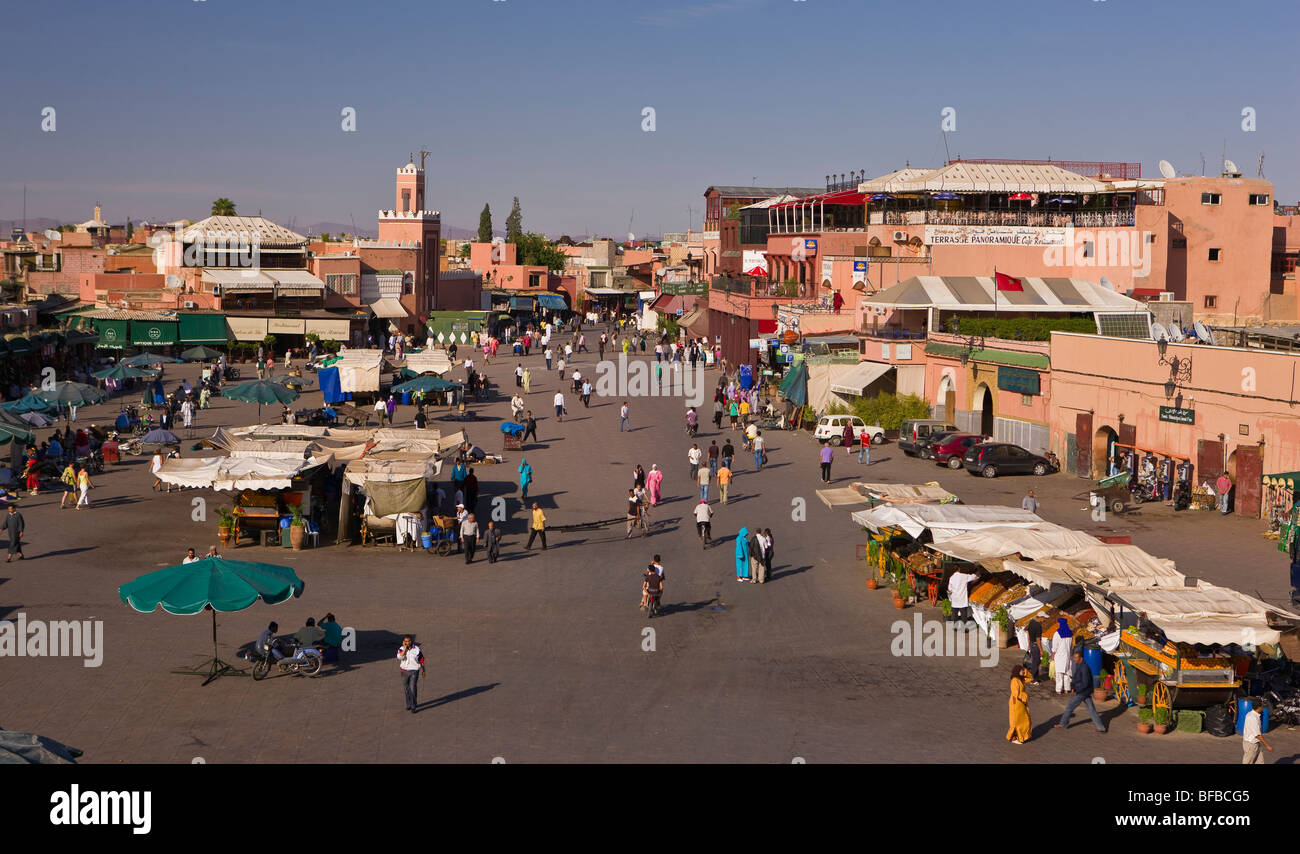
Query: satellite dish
1203, 333
1167, 169
1229, 166
1158, 331
1175, 334
53, 235
173, 281
631, 237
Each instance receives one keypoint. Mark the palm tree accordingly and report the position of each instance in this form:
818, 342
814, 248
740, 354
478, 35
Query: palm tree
223, 207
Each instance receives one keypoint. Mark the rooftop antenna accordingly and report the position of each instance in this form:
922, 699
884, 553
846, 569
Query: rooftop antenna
945, 145
1260, 171
354, 225
24, 208
423, 154
1202, 164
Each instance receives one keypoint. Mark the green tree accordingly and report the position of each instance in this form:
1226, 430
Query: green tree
223, 207
485, 224
514, 223
464, 250
534, 249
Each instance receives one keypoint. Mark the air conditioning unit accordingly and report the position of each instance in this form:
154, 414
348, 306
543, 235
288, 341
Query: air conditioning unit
189, 303
1166, 296
900, 236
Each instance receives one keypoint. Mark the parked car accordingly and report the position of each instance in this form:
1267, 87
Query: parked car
991, 459
830, 428
915, 434
926, 450
951, 449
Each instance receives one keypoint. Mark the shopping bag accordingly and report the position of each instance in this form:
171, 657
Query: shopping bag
1051, 668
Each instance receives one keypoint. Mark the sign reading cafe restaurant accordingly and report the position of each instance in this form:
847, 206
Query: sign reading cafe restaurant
993, 235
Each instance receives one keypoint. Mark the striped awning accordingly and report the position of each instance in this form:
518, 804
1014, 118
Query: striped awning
976, 293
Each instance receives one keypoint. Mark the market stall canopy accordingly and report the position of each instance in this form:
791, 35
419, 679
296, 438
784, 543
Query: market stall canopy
226, 585
944, 519
554, 302
394, 467
231, 473
28, 748
72, 394
277, 449
1207, 614
260, 392
907, 493
281, 431
794, 387
388, 499
30, 402
144, 360
201, 353
1040, 541
389, 308
122, 371
856, 381
426, 383
160, 436
359, 369
976, 293
13, 433
428, 362
1102, 565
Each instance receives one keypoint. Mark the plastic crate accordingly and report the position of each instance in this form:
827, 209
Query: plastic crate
1190, 720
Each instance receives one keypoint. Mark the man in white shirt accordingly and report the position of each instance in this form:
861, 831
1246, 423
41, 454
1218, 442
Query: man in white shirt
548, 354
760, 450
190, 556
695, 456
410, 660
703, 520
958, 588
381, 410
1252, 737
559, 405
1029, 503
703, 478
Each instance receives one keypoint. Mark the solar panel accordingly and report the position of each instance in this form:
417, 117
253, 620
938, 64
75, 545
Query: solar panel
1129, 324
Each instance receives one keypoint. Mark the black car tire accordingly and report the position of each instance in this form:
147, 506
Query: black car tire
878, 439
1117, 506
989, 471
954, 462
837, 441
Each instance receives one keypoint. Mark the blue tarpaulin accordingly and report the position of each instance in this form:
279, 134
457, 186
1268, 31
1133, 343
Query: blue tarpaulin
555, 302
512, 429
329, 384
746, 377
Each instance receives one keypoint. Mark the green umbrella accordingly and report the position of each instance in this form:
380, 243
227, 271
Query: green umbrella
122, 371
212, 584
73, 394
426, 383
143, 359
29, 402
261, 391
13, 433
201, 354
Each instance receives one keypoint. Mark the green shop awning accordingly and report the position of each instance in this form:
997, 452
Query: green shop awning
203, 328
19, 345
998, 357
113, 334
145, 333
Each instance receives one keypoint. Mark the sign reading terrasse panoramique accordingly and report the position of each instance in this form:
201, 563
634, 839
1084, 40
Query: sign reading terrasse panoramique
993, 235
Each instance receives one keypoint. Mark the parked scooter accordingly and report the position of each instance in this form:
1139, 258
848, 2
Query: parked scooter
306, 660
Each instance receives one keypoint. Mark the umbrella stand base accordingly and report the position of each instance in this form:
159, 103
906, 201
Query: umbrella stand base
213, 668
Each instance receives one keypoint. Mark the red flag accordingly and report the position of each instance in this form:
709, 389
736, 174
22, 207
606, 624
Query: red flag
1006, 283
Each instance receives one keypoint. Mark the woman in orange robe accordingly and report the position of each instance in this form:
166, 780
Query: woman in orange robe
1018, 708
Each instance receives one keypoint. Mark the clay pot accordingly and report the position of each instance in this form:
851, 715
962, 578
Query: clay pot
224, 533
1100, 694
1144, 728
1161, 729
1141, 701
297, 535
899, 603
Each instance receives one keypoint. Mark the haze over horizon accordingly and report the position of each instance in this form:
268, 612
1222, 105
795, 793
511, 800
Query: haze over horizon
161, 111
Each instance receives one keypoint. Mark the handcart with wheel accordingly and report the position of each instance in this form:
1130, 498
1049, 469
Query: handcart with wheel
1113, 491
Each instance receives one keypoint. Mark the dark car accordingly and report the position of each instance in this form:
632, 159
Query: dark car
915, 434
926, 450
950, 449
991, 459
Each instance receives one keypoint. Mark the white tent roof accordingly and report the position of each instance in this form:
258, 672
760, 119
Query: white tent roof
907, 493
1040, 541
976, 293
855, 382
281, 431
428, 362
944, 519
1206, 614
227, 473
393, 469
277, 449
962, 177
891, 181
388, 308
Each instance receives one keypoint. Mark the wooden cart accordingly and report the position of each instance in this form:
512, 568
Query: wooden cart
1173, 673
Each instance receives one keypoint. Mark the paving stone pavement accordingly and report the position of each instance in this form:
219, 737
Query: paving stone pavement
541, 657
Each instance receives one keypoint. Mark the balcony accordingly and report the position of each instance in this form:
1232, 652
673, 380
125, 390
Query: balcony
1037, 219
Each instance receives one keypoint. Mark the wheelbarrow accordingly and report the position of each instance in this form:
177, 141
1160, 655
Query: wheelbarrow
1113, 491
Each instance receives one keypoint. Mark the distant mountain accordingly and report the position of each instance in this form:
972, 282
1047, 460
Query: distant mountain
34, 223
336, 228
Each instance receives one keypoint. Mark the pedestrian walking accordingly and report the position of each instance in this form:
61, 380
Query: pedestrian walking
1251, 734
586, 395
653, 482
704, 475
559, 406
469, 537
693, 458
84, 486
548, 354
734, 412
846, 439
742, 555
827, 455
760, 451
561, 366
715, 455
728, 453
1021, 727
717, 415
1034, 657
1029, 502
638, 477
623, 420
410, 661
528, 380
582, 343
724, 481
769, 546
1062, 645
155, 466
187, 413
14, 529
492, 542
530, 427
519, 375
69, 480
1081, 682
538, 528
381, 410
864, 448
633, 512
525, 477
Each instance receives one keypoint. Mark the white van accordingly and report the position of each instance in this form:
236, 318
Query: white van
830, 428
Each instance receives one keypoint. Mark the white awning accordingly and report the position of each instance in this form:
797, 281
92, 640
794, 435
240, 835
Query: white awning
855, 382
1040, 541
1206, 614
428, 362
941, 518
296, 279
906, 493
388, 308
237, 279
246, 328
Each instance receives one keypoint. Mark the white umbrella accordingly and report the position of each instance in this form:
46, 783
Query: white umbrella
36, 419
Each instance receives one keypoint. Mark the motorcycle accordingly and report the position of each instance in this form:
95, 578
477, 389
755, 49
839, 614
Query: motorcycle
1182, 495
306, 660
652, 607
1142, 488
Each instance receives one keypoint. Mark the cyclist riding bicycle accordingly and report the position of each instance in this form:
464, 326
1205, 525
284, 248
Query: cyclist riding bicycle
652, 587
692, 421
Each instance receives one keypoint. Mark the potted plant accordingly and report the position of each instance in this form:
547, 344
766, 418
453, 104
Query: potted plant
945, 606
1144, 720
1141, 695
1102, 687
226, 525
1006, 635
297, 528
1163, 718
902, 592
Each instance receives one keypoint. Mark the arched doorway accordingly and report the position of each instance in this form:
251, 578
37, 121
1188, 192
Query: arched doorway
1103, 449
1232, 466
948, 397
983, 404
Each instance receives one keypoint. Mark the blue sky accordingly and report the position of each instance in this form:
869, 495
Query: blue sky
162, 106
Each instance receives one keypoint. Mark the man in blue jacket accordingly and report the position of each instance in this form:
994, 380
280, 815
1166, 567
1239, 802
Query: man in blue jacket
1081, 682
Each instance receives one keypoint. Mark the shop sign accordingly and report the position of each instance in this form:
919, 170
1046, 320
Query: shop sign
1019, 380
1175, 415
